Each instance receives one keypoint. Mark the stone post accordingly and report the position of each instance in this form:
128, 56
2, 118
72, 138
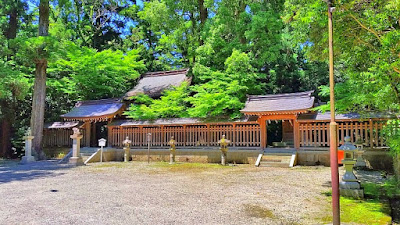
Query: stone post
76, 158
127, 144
28, 148
224, 149
172, 150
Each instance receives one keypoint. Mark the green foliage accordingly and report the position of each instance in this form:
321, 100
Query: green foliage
95, 74
223, 92
14, 84
392, 135
366, 48
171, 104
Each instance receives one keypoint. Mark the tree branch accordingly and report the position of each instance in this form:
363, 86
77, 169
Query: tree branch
366, 28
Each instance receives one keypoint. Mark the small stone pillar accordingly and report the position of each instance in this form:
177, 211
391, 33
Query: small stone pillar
224, 149
350, 186
127, 149
76, 158
172, 149
360, 151
28, 148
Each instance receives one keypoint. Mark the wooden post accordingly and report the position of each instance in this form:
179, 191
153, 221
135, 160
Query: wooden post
109, 135
263, 132
87, 133
296, 134
93, 135
371, 134
184, 135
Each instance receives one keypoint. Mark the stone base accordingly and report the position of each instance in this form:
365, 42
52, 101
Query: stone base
349, 185
360, 164
353, 193
76, 161
27, 159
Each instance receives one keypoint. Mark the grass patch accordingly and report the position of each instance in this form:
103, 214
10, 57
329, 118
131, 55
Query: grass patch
159, 167
368, 211
258, 211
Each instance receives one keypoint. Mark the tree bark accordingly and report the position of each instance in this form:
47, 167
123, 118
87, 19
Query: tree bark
38, 105
11, 32
203, 17
44, 18
39, 88
5, 138
203, 12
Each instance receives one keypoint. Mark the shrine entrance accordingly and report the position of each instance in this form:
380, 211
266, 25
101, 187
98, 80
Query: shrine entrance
280, 134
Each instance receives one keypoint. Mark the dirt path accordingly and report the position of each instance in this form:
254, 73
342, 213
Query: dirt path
137, 193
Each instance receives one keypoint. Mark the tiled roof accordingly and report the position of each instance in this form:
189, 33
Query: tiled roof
99, 109
347, 116
62, 125
153, 83
279, 102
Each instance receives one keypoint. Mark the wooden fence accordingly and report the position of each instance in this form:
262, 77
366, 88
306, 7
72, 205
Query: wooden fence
316, 134
60, 137
240, 134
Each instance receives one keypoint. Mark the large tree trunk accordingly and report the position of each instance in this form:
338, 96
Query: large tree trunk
203, 17
13, 24
39, 88
5, 139
203, 12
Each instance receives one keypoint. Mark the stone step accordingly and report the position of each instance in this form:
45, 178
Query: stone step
274, 164
277, 159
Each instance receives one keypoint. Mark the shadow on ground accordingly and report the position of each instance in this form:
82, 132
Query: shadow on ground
12, 171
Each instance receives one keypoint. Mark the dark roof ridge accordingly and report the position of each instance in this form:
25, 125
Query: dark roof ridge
283, 95
99, 101
165, 73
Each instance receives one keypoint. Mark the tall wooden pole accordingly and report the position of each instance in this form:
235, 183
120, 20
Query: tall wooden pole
333, 127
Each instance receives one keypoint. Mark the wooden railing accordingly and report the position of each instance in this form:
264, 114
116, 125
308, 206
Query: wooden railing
316, 134
60, 137
241, 134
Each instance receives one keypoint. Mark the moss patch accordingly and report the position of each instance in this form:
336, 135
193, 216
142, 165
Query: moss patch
162, 167
258, 211
370, 211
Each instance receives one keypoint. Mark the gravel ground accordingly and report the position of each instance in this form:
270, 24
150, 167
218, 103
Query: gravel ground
137, 193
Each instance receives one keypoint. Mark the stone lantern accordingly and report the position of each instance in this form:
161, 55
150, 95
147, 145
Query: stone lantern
127, 144
28, 148
172, 149
76, 158
224, 149
360, 151
349, 186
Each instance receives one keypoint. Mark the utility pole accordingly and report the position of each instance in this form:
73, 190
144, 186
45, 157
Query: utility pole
333, 126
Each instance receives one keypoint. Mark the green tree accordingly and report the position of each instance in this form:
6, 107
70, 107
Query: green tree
366, 48
172, 104
90, 74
